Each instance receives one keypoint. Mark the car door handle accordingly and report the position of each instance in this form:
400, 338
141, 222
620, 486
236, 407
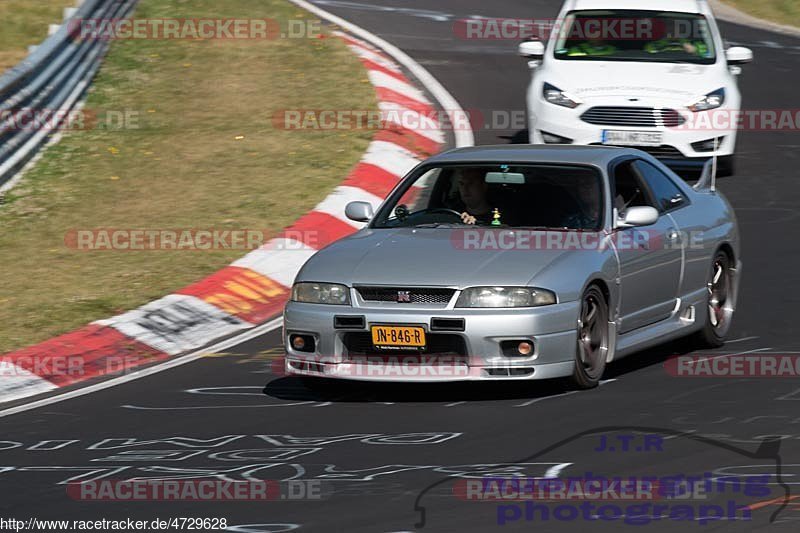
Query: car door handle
672, 235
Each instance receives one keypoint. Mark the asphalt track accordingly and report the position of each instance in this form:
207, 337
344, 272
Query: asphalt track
391, 455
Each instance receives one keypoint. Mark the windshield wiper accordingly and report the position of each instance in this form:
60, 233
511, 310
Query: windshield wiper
439, 225
549, 228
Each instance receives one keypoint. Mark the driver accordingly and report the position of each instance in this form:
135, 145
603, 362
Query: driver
593, 48
473, 189
692, 47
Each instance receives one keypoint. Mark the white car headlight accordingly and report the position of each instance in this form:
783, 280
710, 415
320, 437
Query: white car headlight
505, 297
556, 96
710, 101
321, 293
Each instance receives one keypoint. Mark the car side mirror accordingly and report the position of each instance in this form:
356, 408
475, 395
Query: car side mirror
642, 215
359, 211
533, 50
738, 55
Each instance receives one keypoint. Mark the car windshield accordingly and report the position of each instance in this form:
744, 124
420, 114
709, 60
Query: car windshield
635, 35
506, 195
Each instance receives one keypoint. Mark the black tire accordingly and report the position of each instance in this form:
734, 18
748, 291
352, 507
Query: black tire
719, 308
594, 339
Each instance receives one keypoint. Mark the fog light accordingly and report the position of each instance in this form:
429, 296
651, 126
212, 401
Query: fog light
552, 138
302, 343
517, 348
708, 145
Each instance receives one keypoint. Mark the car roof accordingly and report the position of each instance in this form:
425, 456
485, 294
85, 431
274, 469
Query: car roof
681, 6
599, 156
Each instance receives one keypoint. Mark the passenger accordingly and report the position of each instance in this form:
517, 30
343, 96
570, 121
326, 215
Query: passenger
592, 48
588, 215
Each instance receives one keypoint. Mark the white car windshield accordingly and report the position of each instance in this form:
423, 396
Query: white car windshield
513, 195
635, 35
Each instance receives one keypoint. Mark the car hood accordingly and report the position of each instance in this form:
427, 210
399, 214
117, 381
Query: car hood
677, 83
422, 257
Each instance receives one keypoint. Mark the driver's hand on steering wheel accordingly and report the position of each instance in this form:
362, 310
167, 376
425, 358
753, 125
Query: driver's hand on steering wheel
466, 218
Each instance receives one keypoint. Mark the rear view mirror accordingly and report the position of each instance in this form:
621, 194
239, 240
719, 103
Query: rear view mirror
738, 55
638, 216
359, 211
531, 49
512, 178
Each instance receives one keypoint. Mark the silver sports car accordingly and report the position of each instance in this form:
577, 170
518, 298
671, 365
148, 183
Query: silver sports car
517, 262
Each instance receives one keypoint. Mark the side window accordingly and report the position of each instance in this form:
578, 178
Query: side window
666, 194
418, 196
629, 190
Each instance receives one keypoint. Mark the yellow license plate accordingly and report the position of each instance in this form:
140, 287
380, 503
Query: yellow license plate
398, 336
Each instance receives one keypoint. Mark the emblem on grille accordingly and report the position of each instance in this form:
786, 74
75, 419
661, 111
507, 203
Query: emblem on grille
403, 297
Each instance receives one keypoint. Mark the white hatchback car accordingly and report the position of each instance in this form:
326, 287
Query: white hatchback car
619, 72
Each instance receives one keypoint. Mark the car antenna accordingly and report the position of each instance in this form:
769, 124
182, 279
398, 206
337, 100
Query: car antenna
709, 175
714, 166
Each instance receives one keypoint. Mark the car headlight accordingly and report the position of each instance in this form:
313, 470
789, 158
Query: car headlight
321, 293
556, 96
505, 297
709, 101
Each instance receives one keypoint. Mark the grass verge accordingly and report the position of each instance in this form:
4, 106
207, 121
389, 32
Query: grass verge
25, 22
203, 154
780, 11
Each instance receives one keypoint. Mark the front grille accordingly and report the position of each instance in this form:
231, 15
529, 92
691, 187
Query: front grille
416, 295
664, 151
359, 344
638, 117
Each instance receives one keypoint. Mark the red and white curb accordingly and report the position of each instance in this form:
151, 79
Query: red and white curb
251, 290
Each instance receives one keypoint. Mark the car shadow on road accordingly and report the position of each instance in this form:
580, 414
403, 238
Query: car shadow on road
293, 388
298, 389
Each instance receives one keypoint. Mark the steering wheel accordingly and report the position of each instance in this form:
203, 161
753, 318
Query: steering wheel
443, 210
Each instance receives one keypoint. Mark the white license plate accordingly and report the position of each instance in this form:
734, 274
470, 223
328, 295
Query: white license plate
632, 138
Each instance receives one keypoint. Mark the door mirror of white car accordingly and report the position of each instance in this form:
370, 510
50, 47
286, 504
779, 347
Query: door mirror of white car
531, 49
359, 211
738, 55
638, 216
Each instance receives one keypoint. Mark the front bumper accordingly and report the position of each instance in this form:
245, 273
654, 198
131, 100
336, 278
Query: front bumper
676, 149
474, 353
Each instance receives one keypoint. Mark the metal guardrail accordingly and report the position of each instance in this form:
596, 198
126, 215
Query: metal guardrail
51, 81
